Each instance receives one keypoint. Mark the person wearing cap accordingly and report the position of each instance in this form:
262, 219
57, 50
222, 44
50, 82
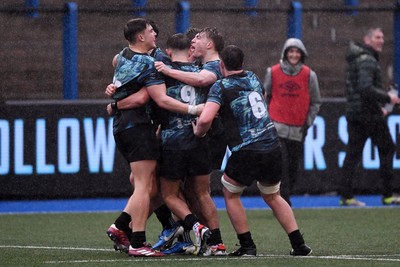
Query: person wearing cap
293, 98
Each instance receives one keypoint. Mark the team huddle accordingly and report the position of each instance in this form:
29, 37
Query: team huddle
175, 113
170, 108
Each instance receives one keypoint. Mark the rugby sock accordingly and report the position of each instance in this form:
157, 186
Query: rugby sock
246, 240
122, 223
296, 238
185, 237
215, 237
189, 221
138, 239
164, 216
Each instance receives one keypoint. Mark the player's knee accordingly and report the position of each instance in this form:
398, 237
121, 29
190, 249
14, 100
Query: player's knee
231, 187
270, 189
168, 198
154, 192
131, 179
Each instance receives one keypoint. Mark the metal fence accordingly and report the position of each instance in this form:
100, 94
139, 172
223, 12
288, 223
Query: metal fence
69, 63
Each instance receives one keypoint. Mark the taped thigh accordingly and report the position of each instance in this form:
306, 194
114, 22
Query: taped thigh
231, 187
269, 190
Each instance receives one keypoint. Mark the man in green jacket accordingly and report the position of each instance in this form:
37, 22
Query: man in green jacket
365, 114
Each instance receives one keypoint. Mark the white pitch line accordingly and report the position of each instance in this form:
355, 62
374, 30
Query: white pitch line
381, 258
56, 248
350, 257
192, 259
162, 259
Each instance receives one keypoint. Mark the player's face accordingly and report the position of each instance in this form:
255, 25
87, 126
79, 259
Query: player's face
293, 55
375, 40
191, 56
199, 44
150, 37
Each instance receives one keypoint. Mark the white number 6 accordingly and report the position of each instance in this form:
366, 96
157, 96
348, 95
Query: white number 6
257, 105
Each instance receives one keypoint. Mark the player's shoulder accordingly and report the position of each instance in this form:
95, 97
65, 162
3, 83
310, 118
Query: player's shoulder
144, 58
210, 65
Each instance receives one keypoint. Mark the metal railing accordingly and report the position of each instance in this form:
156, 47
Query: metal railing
183, 12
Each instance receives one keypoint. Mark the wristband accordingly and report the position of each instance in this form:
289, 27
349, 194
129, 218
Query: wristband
192, 110
114, 106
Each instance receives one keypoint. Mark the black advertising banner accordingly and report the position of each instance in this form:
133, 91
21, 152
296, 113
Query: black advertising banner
60, 150
66, 149
325, 150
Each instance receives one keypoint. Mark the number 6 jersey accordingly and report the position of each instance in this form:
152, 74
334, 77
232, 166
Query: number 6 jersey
244, 112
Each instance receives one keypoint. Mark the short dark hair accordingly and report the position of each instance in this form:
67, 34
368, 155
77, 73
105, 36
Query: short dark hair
178, 41
155, 28
217, 39
233, 57
371, 30
133, 27
192, 32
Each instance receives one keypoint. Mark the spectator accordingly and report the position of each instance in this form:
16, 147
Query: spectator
365, 114
293, 100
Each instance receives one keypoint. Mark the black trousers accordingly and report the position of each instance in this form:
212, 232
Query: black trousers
359, 132
292, 151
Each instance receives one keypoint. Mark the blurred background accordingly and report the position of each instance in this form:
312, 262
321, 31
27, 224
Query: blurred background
31, 47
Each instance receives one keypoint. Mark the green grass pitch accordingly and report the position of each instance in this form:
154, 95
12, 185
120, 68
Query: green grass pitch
339, 237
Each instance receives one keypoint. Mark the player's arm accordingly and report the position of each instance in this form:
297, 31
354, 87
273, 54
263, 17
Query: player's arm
110, 90
206, 118
365, 85
135, 100
114, 61
268, 85
158, 93
200, 79
315, 98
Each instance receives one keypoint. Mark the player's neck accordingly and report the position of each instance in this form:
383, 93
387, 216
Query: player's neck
139, 48
231, 72
180, 56
210, 56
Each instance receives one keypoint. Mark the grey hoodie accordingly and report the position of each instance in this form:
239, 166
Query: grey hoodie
287, 131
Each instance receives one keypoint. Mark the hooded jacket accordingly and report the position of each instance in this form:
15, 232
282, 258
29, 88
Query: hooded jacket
364, 92
291, 132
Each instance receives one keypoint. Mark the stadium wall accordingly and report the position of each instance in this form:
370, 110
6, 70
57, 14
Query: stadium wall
65, 149
31, 49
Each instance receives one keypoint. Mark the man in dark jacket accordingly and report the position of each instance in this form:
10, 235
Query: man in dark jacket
365, 116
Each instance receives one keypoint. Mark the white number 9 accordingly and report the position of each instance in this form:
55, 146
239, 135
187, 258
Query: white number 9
188, 94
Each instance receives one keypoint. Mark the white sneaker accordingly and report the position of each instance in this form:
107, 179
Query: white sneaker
202, 233
215, 250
